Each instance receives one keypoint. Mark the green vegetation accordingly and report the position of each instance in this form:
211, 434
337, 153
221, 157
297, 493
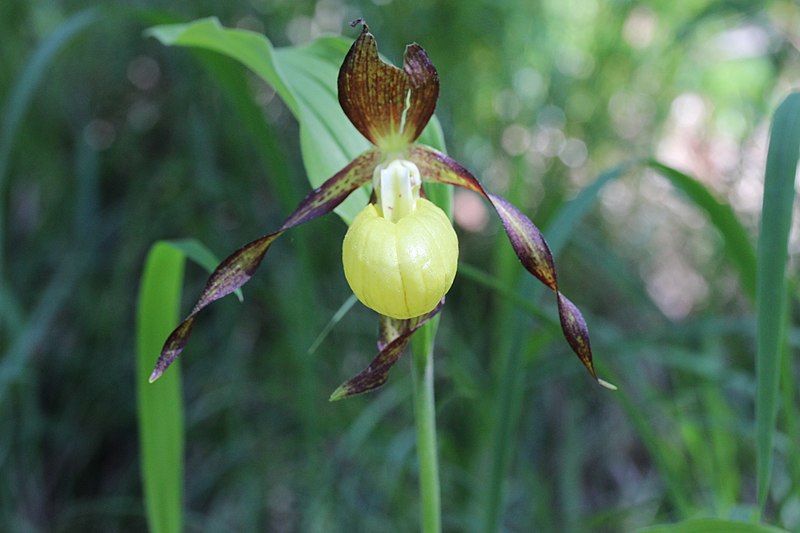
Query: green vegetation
641, 137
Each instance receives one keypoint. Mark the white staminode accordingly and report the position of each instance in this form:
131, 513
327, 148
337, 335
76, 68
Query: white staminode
397, 188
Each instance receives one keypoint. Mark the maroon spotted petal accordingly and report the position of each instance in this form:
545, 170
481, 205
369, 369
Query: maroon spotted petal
240, 266
388, 105
525, 237
394, 336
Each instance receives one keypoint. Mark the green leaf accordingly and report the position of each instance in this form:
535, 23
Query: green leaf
772, 288
251, 49
161, 427
711, 525
305, 78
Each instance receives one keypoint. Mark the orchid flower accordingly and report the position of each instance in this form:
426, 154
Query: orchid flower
400, 253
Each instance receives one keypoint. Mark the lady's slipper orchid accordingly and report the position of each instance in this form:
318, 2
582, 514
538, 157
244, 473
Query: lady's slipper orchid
400, 252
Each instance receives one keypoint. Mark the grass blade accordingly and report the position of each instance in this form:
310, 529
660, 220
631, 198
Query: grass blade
335, 319
161, 434
772, 289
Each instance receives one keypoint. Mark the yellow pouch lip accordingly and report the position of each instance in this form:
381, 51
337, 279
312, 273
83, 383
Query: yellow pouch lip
401, 269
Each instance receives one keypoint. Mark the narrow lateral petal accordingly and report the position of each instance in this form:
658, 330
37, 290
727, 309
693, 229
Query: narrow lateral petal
575, 331
526, 239
389, 106
393, 338
240, 266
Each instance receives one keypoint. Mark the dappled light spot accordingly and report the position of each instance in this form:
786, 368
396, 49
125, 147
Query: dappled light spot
99, 134
144, 72
640, 27
548, 141
507, 105
689, 110
516, 139
529, 84
250, 23
574, 62
676, 287
299, 30
573, 153
469, 211
632, 113
743, 42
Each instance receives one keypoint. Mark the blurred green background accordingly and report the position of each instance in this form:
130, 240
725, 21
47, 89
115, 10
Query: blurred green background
111, 141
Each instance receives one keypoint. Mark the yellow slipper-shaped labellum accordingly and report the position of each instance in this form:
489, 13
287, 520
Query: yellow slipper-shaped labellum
401, 269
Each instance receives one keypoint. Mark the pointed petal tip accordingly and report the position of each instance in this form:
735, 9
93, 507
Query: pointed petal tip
606, 384
154, 376
339, 394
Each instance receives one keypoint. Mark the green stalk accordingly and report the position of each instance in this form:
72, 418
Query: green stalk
424, 401
425, 418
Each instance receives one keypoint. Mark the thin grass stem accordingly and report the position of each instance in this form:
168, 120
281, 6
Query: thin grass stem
425, 418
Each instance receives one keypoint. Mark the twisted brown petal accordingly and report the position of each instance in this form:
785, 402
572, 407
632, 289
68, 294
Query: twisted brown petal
525, 237
394, 336
240, 266
389, 106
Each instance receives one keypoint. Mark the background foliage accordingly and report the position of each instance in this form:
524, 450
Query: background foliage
111, 142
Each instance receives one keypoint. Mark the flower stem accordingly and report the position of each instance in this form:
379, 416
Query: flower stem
425, 416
